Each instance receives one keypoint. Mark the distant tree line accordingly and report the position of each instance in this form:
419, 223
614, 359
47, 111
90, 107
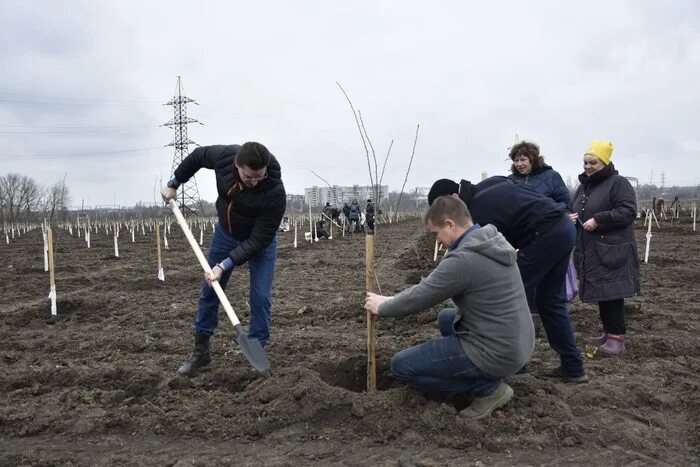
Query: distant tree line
23, 199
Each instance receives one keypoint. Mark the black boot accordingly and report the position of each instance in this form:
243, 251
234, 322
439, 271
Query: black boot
198, 359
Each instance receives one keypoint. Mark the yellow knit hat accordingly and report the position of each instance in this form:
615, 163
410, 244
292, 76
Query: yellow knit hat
602, 150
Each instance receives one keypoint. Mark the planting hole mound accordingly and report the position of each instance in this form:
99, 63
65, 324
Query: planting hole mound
351, 374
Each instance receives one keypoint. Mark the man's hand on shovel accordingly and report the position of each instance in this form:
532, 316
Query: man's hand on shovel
168, 194
214, 275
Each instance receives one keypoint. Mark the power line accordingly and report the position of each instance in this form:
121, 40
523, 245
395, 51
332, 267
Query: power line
75, 155
77, 104
80, 99
51, 127
71, 132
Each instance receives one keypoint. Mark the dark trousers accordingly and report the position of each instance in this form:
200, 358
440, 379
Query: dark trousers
612, 315
543, 263
441, 365
262, 271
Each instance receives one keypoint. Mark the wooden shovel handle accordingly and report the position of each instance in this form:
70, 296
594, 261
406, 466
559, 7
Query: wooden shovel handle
204, 263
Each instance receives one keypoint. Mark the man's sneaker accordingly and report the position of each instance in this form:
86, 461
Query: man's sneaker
614, 345
482, 407
559, 374
597, 341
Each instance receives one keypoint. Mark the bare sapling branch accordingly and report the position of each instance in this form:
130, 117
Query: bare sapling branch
359, 128
408, 171
374, 158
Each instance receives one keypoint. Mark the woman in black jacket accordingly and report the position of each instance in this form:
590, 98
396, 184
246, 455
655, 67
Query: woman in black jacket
606, 257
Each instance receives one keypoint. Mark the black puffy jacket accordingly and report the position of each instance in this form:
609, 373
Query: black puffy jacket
518, 211
251, 215
606, 259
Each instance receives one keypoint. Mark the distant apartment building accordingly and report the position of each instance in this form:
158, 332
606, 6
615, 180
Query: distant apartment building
337, 195
295, 201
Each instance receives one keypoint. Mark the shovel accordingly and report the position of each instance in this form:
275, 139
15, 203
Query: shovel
252, 350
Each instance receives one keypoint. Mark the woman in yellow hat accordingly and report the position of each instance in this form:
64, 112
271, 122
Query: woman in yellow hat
606, 258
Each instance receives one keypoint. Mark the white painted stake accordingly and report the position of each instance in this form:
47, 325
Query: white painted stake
116, 245
295, 234
161, 273
133, 234
165, 239
695, 209
330, 237
646, 252
201, 236
52, 282
7, 237
343, 226
436, 250
315, 232
46, 249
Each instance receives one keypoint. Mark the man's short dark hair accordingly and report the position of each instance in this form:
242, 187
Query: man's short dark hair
253, 155
447, 207
529, 150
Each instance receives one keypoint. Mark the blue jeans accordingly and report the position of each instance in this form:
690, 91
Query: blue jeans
262, 271
543, 264
441, 365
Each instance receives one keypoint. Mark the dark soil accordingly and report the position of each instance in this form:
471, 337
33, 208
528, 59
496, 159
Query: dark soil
96, 384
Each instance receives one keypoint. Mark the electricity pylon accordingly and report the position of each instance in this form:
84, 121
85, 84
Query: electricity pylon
189, 193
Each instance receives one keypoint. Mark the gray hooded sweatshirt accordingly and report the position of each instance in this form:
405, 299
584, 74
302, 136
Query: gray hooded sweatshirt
493, 319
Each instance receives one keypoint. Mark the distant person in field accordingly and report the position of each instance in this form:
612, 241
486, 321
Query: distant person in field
606, 254
488, 335
659, 205
369, 215
250, 205
543, 234
530, 169
353, 216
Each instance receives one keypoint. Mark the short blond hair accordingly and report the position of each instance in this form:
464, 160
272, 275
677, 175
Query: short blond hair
447, 207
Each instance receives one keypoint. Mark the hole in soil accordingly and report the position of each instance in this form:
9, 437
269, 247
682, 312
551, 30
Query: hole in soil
351, 374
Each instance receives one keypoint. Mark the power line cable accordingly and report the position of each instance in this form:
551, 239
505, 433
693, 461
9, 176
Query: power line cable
51, 127
79, 99
78, 104
75, 155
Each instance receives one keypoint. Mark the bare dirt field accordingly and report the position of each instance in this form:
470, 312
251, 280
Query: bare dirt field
96, 385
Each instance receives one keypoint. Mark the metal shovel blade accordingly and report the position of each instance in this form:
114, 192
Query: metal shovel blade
252, 350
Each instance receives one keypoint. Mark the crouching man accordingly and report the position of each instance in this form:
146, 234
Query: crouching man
488, 336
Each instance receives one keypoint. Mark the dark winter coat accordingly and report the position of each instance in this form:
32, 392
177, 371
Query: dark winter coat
519, 212
606, 259
548, 182
248, 214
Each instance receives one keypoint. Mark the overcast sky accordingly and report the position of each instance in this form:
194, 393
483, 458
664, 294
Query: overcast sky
90, 78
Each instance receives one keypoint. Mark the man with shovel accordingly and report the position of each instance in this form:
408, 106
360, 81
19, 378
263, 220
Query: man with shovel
488, 336
250, 205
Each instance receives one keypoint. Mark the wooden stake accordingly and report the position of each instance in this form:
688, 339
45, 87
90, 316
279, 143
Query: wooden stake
371, 319
52, 283
437, 245
295, 234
